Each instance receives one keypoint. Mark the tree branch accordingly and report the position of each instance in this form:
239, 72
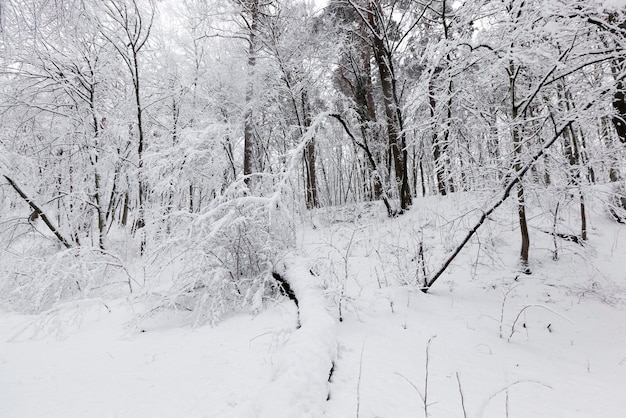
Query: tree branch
39, 212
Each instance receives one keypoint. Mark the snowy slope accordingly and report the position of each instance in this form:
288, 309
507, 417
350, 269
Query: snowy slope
565, 356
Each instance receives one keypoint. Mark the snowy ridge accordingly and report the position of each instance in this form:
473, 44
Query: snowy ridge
299, 385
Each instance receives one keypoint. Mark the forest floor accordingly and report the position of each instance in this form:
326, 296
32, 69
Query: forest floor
486, 341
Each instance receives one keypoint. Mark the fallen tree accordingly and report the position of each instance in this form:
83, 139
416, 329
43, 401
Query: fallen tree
304, 365
505, 195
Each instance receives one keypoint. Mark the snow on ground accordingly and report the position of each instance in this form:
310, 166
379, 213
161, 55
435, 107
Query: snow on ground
299, 386
164, 370
565, 356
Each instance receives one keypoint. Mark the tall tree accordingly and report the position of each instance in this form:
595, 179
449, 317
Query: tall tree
250, 13
387, 27
292, 42
127, 25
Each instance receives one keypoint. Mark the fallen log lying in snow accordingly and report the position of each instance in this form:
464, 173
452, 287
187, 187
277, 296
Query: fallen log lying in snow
285, 287
300, 382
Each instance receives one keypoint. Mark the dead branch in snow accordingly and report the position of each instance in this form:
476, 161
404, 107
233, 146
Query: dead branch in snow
38, 212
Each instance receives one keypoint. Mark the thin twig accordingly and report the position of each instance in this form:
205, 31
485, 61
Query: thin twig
426, 376
419, 392
458, 380
358, 384
505, 389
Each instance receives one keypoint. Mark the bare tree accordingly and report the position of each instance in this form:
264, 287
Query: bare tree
127, 25
379, 23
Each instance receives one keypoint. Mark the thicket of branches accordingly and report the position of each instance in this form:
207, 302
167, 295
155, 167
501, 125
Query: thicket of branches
138, 128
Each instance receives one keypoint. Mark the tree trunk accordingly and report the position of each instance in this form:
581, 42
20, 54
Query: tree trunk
252, 7
392, 110
517, 165
93, 159
617, 67
614, 172
364, 96
438, 161
309, 159
573, 154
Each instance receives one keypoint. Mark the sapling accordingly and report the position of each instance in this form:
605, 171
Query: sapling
423, 396
505, 296
345, 260
555, 256
426, 375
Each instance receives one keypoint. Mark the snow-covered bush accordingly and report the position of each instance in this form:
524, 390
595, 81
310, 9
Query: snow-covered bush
37, 282
223, 258
617, 203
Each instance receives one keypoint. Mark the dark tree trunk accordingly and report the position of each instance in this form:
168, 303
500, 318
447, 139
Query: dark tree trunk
440, 174
619, 104
365, 100
517, 165
309, 159
573, 154
619, 97
252, 9
397, 148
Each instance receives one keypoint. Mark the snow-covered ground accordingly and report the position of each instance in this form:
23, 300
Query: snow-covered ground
486, 341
